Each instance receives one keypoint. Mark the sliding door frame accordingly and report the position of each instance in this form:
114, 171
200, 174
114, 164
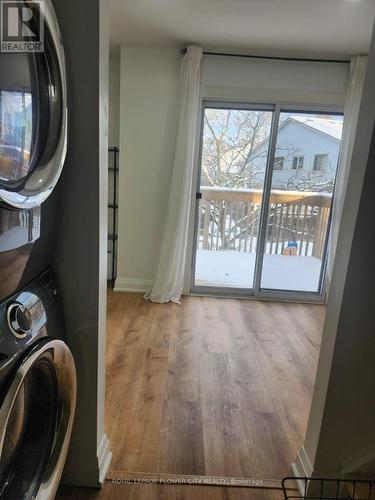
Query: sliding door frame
256, 291
219, 104
264, 210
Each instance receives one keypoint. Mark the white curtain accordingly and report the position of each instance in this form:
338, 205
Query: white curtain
169, 279
353, 99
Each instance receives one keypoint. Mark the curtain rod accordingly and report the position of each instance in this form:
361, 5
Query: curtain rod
274, 58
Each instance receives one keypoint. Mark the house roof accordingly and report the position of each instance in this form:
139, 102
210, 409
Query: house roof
327, 125
331, 128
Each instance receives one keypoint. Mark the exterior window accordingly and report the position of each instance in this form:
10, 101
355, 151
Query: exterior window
298, 163
320, 163
278, 163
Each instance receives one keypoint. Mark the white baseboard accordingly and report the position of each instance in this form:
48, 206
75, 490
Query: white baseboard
132, 285
104, 458
302, 467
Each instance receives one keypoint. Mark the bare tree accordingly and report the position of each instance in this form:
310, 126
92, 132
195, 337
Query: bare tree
234, 155
316, 182
230, 140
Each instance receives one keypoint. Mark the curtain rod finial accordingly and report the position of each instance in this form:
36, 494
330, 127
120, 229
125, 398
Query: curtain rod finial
183, 51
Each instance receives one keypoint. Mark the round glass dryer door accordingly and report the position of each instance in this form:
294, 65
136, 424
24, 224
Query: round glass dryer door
33, 108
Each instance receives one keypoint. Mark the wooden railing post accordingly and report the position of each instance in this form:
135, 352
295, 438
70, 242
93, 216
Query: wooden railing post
320, 232
206, 222
228, 220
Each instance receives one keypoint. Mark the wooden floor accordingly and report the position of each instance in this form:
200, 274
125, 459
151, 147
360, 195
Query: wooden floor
212, 386
145, 492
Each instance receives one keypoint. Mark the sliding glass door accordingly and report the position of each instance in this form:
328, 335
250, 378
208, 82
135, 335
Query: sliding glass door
235, 145
266, 183
303, 179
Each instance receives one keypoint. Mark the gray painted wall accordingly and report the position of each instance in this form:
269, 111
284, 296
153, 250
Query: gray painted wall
340, 435
348, 425
82, 220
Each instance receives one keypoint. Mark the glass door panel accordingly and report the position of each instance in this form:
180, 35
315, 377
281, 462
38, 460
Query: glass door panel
303, 179
235, 143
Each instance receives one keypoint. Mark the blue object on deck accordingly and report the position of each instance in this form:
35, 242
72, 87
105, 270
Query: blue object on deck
292, 244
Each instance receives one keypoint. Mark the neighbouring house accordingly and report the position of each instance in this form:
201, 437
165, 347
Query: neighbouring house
306, 154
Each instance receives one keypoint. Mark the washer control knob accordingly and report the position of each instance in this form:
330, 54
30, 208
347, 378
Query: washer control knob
19, 320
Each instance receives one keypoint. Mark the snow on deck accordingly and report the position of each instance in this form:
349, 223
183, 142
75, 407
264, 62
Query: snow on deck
228, 268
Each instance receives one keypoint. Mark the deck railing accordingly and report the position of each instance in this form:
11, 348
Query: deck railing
229, 220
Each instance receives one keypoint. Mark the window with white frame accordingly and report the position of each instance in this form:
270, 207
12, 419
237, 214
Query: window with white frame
320, 163
278, 163
298, 162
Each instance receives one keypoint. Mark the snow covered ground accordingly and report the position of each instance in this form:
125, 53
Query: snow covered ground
228, 268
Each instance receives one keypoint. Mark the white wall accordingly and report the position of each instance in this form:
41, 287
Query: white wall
114, 100
103, 452
113, 138
148, 101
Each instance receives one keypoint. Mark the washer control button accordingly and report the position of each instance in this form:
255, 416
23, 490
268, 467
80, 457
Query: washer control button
19, 320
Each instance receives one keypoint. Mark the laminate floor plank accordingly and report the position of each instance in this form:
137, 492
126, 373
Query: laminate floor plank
160, 492
211, 386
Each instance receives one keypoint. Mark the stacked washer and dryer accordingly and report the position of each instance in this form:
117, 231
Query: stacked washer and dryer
37, 371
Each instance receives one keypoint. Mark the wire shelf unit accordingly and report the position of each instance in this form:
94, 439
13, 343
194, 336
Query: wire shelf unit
113, 206
328, 489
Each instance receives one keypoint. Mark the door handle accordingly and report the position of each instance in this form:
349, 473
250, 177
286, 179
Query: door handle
198, 196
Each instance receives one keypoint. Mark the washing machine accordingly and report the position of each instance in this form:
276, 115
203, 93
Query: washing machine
33, 132
37, 392
37, 372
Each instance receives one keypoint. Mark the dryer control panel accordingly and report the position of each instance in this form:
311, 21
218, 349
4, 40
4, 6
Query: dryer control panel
28, 315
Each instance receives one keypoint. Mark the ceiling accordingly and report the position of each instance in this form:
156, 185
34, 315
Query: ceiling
310, 26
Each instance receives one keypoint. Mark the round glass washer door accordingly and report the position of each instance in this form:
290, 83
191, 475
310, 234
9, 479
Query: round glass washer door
33, 114
36, 418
